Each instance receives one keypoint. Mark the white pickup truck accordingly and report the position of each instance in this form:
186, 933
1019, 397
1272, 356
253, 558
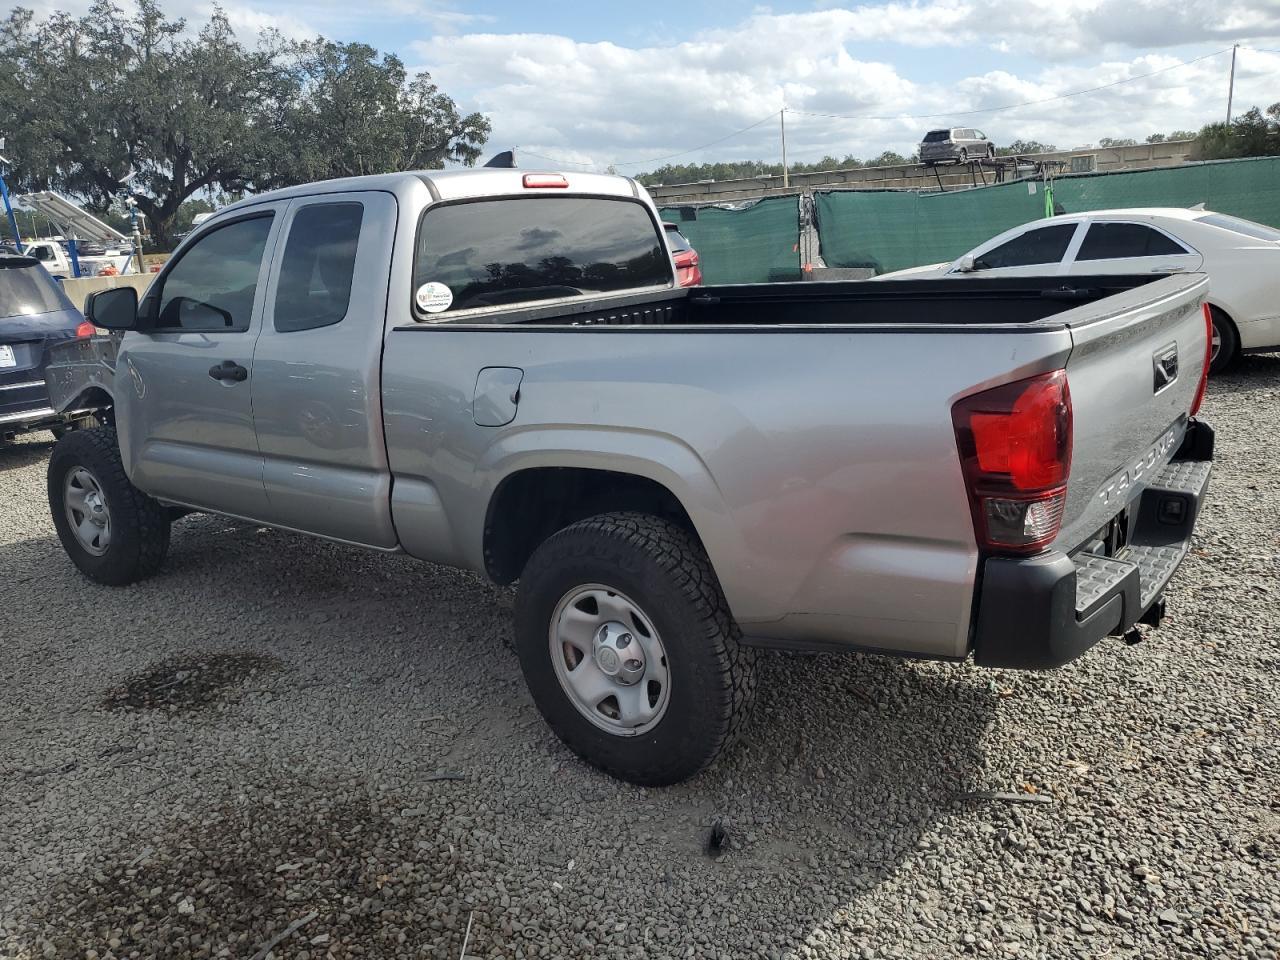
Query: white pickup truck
54, 257
497, 370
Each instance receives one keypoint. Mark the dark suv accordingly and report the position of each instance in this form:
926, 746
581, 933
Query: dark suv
34, 313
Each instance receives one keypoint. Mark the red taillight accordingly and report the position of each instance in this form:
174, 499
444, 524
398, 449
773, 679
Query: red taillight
1015, 448
1208, 358
86, 329
545, 180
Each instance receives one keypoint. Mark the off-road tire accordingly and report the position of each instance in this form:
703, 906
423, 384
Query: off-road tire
665, 571
1229, 351
139, 524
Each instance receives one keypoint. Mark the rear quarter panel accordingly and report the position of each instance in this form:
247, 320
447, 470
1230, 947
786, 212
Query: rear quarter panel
818, 466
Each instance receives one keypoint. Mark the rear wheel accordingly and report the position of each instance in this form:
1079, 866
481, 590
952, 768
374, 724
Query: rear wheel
964, 155
1225, 347
628, 648
110, 529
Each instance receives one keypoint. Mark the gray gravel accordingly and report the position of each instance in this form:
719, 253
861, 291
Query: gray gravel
281, 736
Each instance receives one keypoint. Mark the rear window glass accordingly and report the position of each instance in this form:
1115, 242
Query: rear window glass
26, 290
522, 249
936, 136
1118, 241
1245, 227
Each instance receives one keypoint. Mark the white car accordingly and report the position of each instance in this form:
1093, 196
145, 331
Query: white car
1242, 259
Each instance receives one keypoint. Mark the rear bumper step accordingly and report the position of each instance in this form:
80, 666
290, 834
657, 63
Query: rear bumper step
1043, 611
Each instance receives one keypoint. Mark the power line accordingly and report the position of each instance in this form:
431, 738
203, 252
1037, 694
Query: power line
1025, 103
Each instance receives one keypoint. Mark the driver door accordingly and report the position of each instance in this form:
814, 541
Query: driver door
186, 377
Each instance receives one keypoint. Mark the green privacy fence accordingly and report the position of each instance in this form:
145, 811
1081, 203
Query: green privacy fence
755, 242
890, 230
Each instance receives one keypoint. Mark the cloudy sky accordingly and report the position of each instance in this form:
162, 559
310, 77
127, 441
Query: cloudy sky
638, 85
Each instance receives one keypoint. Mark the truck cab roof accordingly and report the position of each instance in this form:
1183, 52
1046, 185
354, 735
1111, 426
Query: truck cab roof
454, 185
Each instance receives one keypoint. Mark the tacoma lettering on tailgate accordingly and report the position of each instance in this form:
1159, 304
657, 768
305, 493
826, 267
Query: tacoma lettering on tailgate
1120, 483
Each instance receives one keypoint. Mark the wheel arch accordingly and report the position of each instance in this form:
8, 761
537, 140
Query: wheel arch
94, 397
532, 503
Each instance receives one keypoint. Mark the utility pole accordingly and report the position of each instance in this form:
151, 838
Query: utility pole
782, 118
132, 204
1231, 85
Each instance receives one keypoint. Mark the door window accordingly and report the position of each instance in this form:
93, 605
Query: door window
1119, 241
1044, 245
212, 287
319, 264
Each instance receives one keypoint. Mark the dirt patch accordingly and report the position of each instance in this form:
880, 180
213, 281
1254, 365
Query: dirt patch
188, 683
337, 873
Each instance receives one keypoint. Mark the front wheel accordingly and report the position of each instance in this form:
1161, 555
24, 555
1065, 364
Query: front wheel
628, 648
112, 531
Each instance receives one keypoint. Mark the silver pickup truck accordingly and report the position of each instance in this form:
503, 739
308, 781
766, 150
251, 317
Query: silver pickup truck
496, 370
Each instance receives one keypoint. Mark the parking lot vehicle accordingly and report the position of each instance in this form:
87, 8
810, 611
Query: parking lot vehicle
34, 313
955, 145
94, 260
1242, 259
495, 369
688, 270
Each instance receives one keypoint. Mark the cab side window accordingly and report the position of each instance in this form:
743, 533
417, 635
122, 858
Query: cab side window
318, 267
1044, 245
212, 287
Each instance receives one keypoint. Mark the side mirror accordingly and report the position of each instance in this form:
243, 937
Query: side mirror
966, 264
114, 309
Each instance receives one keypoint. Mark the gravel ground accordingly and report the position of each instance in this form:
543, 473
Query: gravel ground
277, 736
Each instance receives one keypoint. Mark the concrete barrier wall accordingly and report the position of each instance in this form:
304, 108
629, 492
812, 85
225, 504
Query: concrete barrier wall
79, 289
916, 176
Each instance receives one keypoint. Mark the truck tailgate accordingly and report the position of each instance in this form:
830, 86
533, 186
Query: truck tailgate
1133, 373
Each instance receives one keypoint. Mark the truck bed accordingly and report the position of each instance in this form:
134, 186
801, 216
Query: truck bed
953, 302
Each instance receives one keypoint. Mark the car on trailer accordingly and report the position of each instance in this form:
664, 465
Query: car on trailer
955, 145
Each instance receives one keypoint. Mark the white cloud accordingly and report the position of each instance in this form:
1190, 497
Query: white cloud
600, 103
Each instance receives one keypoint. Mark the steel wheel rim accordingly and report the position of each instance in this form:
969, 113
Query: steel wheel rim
597, 635
1215, 343
86, 510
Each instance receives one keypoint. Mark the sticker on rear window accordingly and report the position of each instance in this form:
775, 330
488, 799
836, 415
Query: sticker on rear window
433, 297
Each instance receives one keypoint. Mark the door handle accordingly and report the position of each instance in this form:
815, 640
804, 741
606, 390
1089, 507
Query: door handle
229, 370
